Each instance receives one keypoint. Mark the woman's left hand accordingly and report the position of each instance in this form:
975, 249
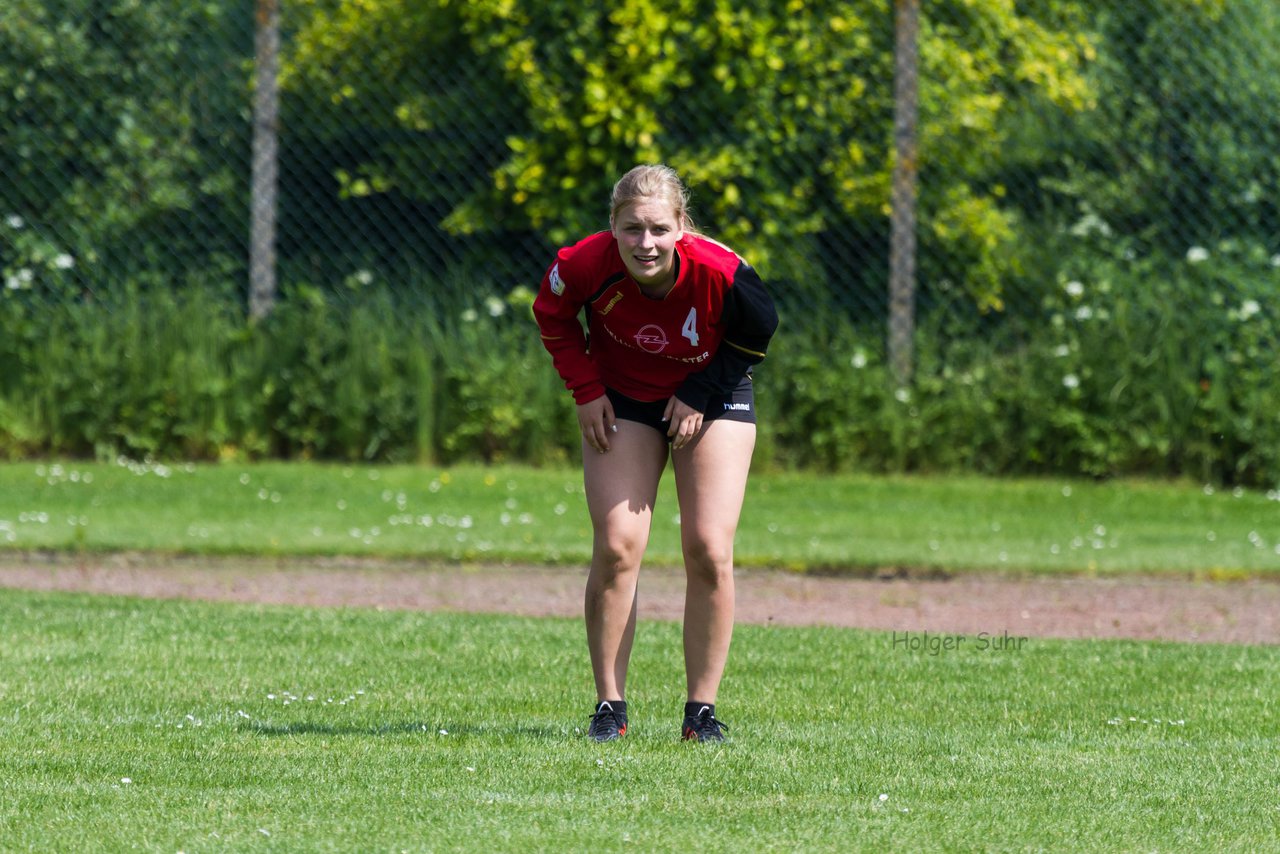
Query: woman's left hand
685, 422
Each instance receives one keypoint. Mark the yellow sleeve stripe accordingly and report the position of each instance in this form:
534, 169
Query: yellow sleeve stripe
745, 350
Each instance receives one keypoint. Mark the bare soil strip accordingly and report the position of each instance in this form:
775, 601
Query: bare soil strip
969, 604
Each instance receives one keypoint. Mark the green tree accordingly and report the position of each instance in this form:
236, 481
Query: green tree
1183, 148
117, 132
779, 114
393, 123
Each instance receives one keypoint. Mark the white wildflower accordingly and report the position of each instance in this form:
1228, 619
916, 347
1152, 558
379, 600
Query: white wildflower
495, 306
1084, 313
63, 261
1071, 381
470, 316
859, 359
1091, 224
1249, 308
902, 395
14, 221
1062, 351
1075, 289
1196, 254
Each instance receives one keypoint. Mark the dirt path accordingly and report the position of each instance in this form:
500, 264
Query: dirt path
1169, 609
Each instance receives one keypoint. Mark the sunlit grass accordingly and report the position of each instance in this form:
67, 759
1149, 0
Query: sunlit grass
474, 513
178, 726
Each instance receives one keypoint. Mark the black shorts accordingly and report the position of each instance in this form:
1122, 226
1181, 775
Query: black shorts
737, 405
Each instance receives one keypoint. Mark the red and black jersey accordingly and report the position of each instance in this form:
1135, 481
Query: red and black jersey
700, 339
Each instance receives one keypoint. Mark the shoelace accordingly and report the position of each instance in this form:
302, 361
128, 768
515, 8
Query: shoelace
709, 725
599, 718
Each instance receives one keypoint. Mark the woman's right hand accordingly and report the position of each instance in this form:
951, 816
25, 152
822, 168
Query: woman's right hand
595, 418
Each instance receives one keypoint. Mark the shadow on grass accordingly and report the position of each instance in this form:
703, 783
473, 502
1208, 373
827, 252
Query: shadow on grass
418, 728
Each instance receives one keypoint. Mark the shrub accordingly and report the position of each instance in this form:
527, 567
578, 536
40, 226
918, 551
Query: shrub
1130, 366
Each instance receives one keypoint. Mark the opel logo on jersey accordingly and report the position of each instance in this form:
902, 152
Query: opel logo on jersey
652, 338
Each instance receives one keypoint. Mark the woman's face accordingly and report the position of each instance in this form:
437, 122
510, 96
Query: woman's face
647, 231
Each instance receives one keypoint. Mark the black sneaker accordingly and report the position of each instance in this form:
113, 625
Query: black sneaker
703, 726
609, 721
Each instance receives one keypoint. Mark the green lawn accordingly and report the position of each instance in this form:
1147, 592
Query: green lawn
174, 726
179, 726
523, 514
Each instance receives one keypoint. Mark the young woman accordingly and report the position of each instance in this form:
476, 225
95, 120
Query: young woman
675, 322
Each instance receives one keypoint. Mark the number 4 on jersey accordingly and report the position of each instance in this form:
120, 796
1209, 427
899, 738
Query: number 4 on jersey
690, 328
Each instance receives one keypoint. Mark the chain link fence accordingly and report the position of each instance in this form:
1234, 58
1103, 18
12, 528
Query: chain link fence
444, 150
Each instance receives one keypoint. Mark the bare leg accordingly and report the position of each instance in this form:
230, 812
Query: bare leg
711, 480
621, 487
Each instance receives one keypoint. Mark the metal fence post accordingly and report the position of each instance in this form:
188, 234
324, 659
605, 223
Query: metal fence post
266, 126
902, 248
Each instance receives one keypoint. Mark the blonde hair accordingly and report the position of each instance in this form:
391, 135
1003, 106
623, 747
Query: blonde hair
656, 182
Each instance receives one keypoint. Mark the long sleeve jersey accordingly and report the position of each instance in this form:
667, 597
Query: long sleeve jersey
700, 339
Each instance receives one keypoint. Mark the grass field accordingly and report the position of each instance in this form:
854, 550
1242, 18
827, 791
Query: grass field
171, 726
522, 514
180, 726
